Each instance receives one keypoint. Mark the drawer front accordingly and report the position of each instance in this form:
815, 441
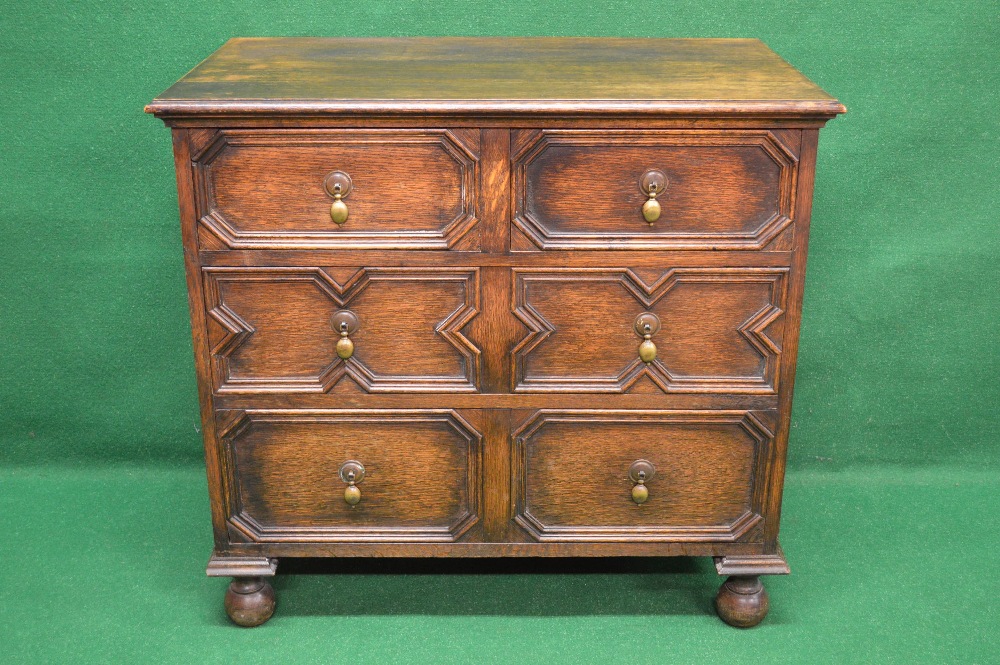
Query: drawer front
713, 330
277, 330
572, 475
420, 478
584, 189
408, 189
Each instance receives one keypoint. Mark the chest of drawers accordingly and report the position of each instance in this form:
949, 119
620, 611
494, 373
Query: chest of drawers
495, 297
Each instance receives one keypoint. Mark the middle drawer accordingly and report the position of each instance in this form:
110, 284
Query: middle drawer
707, 330
302, 330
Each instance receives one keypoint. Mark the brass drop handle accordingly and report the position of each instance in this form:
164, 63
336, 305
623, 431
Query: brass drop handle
352, 495
647, 350
647, 325
345, 322
652, 183
639, 473
352, 472
338, 184
338, 211
651, 208
640, 493
345, 347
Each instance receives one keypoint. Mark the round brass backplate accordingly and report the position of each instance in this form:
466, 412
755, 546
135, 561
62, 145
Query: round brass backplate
338, 178
345, 316
650, 178
641, 465
647, 318
355, 466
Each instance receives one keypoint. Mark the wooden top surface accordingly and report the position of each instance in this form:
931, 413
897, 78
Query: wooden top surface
499, 75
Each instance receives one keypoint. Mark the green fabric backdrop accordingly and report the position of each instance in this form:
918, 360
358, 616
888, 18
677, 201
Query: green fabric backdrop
898, 359
898, 370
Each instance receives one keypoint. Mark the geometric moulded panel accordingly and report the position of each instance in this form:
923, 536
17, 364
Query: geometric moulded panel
266, 189
284, 483
571, 475
581, 189
721, 330
270, 329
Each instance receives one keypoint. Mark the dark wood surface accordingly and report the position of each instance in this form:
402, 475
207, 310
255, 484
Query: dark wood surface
581, 189
421, 479
509, 74
742, 601
496, 258
411, 189
271, 328
572, 484
504, 336
721, 330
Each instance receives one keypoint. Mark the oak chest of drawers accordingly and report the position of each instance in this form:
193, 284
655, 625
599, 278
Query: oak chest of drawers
495, 297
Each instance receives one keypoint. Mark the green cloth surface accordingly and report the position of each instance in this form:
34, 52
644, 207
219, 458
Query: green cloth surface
894, 460
898, 359
887, 567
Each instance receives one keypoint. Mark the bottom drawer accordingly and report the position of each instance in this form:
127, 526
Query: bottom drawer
416, 478
703, 475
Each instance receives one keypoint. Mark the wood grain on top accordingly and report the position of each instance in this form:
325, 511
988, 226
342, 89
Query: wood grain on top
500, 75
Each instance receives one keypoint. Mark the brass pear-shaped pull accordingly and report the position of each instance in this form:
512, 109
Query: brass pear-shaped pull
652, 184
647, 350
647, 324
345, 347
338, 211
640, 472
345, 322
651, 208
640, 493
352, 495
338, 184
352, 472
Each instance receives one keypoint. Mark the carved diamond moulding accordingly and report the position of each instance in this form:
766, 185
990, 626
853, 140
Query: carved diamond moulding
721, 330
270, 329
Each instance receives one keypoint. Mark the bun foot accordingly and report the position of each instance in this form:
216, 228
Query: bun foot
742, 601
249, 601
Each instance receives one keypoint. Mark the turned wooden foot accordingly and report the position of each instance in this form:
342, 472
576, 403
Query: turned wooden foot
742, 601
249, 601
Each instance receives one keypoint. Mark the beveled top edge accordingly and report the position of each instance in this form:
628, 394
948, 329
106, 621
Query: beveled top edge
569, 107
483, 75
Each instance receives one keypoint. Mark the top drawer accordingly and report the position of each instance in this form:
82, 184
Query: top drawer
585, 189
274, 189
